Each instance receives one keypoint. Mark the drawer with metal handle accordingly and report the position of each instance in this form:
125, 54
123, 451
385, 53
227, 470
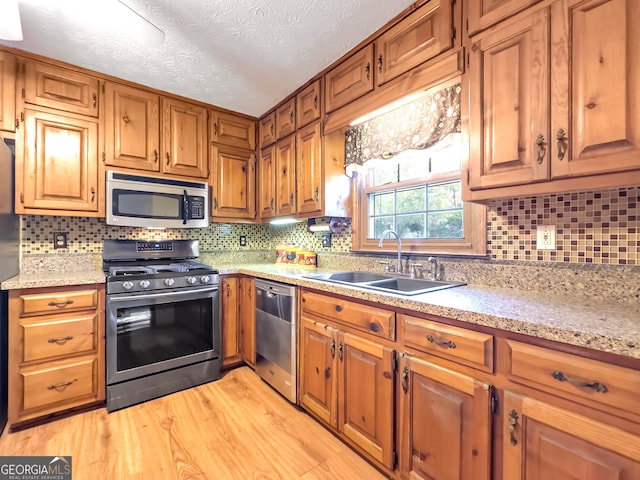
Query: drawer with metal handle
56, 301
572, 376
46, 337
460, 345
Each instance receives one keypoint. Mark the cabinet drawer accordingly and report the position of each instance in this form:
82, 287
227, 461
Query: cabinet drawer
46, 337
565, 374
52, 384
362, 317
61, 301
458, 344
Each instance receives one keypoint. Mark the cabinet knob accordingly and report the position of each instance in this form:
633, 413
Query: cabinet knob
338, 308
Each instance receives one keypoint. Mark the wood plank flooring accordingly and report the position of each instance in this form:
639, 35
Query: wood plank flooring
234, 428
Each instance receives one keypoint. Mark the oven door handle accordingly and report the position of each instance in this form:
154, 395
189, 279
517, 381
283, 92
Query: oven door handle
115, 298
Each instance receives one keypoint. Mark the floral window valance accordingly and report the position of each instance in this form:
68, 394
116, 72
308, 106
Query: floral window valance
417, 125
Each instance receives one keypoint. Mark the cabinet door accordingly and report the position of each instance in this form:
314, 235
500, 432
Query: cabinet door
233, 179
285, 176
7, 92
132, 127
445, 420
247, 312
268, 130
308, 105
349, 80
421, 36
509, 104
229, 324
484, 13
543, 442
233, 130
309, 168
365, 396
595, 87
184, 138
318, 374
286, 119
60, 88
60, 163
267, 184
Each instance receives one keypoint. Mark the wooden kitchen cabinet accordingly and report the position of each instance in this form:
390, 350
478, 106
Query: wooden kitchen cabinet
8, 67
308, 105
424, 34
56, 350
445, 423
230, 321
247, 313
266, 183
309, 184
233, 180
233, 130
57, 172
541, 442
132, 127
285, 176
351, 79
484, 13
184, 138
267, 130
574, 132
286, 119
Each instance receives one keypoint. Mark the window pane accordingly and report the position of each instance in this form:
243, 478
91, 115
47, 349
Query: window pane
446, 224
382, 203
445, 196
411, 200
412, 226
377, 225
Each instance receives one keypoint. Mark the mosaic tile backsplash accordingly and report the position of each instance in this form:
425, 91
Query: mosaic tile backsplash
592, 227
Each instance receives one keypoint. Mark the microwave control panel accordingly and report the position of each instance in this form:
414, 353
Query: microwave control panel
196, 208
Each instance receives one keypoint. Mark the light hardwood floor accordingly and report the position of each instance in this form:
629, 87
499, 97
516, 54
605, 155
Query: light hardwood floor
234, 428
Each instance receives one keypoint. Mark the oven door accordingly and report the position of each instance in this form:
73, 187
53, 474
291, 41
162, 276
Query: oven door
149, 333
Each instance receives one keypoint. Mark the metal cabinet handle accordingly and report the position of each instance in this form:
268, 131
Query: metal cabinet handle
561, 137
404, 380
513, 421
156, 156
441, 343
595, 386
125, 118
215, 203
60, 304
168, 158
60, 385
367, 69
93, 194
340, 348
315, 102
316, 193
228, 289
271, 129
541, 148
95, 100
60, 341
380, 63
333, 348
291, 115
215, 129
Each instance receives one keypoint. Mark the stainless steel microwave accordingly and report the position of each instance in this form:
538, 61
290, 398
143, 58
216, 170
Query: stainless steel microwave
154, 202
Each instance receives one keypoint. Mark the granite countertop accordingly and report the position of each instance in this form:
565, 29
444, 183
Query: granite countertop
606, 326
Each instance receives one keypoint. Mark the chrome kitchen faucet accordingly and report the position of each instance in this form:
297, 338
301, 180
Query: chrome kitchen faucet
381, 242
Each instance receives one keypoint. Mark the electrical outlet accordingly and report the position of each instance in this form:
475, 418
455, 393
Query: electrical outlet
326, 240
243, 241
546, 237
59, 240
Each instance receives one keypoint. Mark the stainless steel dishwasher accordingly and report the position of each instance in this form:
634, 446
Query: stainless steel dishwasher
276, 330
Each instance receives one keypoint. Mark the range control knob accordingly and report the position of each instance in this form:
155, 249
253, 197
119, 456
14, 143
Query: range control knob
204, 279
144, 283
127, 285
169, 281
192, 280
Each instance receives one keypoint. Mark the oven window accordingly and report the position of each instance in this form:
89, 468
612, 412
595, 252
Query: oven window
155, 333
147, 204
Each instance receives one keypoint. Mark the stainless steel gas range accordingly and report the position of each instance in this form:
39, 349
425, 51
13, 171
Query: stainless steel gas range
163, 321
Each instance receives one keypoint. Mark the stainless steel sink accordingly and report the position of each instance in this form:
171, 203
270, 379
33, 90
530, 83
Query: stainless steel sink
385, 283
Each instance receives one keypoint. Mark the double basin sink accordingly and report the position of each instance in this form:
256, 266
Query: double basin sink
384, 282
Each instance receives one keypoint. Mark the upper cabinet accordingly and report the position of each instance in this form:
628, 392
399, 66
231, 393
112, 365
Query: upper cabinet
556, 121
309, 165
349, 80
267, 130
233, 180
132, 127
286, 119
484, 13
233, 130
184, 138
308, 105
7, 92
424, 34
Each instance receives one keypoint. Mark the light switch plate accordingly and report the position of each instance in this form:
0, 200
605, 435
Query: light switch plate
546, 237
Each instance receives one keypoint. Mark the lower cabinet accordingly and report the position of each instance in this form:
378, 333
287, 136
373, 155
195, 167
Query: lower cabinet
56, 350
230, 321
445, 423
247, 313
543, 442
348, 382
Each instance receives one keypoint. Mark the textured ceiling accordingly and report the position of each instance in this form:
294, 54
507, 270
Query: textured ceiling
244, 55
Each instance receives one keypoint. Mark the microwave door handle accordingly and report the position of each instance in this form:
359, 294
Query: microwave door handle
185, 208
